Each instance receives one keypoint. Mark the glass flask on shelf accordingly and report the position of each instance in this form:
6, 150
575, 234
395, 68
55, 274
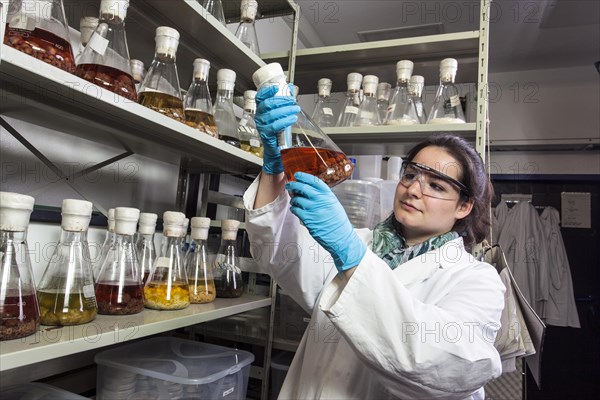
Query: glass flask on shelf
226, 267
383, 99
415, 91
246, 31
447, 108
402, 110
66, 290
109, 239
167, 286
197, 104
146, 250
137, 72
197, 264
304, 147
352, 102
19, 310
367, 114
249, 136
223, 108
105, 59
39, 28
160, 89
119, 289
215, 8
323, 113
87, 26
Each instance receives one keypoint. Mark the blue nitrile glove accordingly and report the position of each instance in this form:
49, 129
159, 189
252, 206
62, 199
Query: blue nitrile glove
273, 114
324, 217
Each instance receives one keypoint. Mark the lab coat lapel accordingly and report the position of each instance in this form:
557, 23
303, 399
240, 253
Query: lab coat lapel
418, 269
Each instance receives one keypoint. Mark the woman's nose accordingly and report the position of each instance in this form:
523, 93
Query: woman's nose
415, 188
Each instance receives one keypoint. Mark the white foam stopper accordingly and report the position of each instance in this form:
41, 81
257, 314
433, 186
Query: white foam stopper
448, 68
147, 224
173, 223
114, 8
404, 69
250, 100
87, 26
225, 79
248, 9
126, 220
229, 228
201, 69
416, 84
269, 73
15, 210
370, 83
111, 219
354, 80
200, 226
167, 40
76, 215
324, 86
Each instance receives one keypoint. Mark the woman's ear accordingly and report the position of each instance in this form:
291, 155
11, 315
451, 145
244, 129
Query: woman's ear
464, 208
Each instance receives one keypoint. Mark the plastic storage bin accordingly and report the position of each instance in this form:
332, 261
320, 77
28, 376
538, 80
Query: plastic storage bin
361, 202
171, 368
280, 364
37, 391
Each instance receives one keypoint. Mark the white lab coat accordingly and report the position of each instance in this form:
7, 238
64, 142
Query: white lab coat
425, 330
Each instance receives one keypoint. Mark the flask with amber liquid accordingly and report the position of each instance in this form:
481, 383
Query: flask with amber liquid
167, 286
160, 89
197, 103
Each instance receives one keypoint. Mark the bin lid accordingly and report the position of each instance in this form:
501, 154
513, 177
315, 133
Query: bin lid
37, 391
176, 360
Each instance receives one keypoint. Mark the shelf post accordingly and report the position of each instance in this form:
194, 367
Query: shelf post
481, 132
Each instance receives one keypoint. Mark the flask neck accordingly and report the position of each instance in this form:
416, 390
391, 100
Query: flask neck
224, 95
73, 237
12, 236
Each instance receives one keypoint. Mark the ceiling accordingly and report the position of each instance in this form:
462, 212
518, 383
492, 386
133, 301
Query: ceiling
524, 35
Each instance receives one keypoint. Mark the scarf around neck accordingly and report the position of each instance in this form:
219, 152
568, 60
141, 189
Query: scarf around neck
391, 247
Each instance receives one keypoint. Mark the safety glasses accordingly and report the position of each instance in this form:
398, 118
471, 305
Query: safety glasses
432, 182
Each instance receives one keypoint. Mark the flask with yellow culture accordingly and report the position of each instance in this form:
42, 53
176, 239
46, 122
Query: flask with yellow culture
167, 286
199, 271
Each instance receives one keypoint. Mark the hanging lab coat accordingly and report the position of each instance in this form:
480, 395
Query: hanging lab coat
561, 309
524, 243
425, 330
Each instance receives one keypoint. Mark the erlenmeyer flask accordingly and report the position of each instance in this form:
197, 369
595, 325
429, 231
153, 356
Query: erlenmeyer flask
226, 267
197, 263
249, 136
105, 59
197, 104
367, 114
119, 288
323, 113
415, 90
19, 310
66, 290
402, 110
246, 31
109, 239
215, 7
39, 28
383, 98
224, 115
87, 27
146, 251
160, 89
446, 107
304, 147
167, 286
137, 72
352, 102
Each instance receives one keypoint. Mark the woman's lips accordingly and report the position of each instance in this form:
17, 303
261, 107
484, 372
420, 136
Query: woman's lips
408, 206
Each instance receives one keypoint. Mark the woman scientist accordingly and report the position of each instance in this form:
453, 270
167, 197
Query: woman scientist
403, 311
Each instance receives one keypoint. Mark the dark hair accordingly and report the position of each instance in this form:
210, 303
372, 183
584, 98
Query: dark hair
474, 227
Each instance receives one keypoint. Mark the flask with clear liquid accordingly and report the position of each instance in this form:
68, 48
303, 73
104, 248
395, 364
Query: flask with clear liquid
446, 107
87, 27
215, 8
138, 72
197, 264
146, 250
109, 239
415, 91
367, 114
66, 291
249, 136
223, 108
226, 267
160, 89
39, 28
19, 310
383, 98
304, 147
167, 286
352, 102
105, 59
323, 113
246, 31
402, 110
119, 289
197, 104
